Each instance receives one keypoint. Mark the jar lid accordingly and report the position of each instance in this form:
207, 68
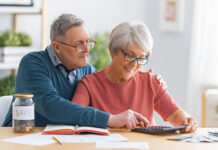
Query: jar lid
23, 95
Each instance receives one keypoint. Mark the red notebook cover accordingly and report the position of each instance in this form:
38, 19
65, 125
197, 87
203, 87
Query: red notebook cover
69, 129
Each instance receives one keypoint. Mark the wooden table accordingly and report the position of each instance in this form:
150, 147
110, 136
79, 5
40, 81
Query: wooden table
156, 142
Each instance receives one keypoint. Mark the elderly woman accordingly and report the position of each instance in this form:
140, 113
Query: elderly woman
121, 86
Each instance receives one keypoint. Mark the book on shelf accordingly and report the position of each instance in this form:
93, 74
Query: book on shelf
70, 129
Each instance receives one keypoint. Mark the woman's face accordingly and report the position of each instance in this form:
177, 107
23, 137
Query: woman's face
125, 69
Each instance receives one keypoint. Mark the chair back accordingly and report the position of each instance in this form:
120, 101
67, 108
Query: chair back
5, 102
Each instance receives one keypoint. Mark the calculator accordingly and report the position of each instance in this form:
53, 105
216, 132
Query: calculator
158, 129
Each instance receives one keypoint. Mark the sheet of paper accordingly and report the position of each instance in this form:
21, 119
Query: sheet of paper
39, 140
31, 139
209, 138
135, 145
87, 138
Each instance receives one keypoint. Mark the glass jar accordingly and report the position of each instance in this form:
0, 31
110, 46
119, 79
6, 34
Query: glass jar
23, 113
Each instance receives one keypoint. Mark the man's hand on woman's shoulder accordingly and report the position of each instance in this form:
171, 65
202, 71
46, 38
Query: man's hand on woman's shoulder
159, 78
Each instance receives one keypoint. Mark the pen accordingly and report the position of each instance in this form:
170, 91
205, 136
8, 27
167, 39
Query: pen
56, 140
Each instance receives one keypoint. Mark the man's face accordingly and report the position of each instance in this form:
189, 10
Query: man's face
70, 56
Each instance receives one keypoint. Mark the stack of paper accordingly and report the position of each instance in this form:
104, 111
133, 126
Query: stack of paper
135, 145
195, 138
40, 140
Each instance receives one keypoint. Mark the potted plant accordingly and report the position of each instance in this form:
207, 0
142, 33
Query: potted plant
99, 55
13, 46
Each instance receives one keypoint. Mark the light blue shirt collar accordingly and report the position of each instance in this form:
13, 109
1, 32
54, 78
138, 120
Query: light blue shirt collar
57, 63
53, 56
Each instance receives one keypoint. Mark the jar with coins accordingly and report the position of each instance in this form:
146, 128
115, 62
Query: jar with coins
23, 113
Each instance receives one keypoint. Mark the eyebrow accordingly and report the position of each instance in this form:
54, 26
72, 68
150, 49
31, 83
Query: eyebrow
134, 54
81, 40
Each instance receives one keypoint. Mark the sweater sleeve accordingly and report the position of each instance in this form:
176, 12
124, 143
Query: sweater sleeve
33, 77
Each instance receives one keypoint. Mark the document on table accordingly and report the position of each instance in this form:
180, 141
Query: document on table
210, 138
39, 140
135, 145
90, 138
31, 139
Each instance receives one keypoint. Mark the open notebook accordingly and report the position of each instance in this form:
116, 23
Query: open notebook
69, 129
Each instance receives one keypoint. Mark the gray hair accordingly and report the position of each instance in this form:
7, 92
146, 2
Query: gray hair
127, 33
62, 24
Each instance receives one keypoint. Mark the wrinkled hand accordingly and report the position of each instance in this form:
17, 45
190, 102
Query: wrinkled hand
191, 124
129, 119
159, 78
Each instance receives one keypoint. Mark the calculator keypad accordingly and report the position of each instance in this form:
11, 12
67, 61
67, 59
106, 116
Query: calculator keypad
158, 129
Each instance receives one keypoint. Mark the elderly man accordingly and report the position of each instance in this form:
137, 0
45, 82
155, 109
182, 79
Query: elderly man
52, 74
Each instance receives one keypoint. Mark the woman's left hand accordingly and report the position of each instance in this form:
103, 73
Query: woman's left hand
181, 118
191, 124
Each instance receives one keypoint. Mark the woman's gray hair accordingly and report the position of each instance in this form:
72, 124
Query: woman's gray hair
128, 33
62, 24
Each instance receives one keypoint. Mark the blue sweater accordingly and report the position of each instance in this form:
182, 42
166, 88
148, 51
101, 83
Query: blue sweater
53, 92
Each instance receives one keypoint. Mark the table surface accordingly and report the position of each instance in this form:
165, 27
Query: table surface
155, 142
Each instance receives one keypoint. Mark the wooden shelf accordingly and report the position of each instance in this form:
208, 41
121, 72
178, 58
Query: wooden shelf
39, 8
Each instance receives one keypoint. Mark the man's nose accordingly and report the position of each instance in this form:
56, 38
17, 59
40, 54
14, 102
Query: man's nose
85, 48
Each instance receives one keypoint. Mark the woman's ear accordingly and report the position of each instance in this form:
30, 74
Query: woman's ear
112, 54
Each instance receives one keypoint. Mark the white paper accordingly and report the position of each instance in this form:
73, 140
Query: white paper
135, 145
90, 138
39, 140
32, 139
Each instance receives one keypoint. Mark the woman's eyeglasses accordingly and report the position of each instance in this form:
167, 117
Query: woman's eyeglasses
131, 58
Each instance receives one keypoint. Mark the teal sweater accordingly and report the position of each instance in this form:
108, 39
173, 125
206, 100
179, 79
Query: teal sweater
53, 92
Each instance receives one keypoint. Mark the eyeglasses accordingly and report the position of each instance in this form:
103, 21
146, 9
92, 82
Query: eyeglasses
82, 46
131, 58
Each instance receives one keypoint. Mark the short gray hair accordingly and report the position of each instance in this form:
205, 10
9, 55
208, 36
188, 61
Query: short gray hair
127, 33
62, 24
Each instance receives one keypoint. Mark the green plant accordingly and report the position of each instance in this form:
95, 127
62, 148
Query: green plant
7, 85
99, 56
12, 38
24, 39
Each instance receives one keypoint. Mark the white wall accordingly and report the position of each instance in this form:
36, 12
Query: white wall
99, 15
171, 51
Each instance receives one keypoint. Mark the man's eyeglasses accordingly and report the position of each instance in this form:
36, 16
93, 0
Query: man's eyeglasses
82, 46
131, 58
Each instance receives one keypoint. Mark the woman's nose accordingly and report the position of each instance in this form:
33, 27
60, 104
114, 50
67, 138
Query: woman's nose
133, 63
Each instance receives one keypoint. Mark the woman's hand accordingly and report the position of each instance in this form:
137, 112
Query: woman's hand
191, 124
181, 118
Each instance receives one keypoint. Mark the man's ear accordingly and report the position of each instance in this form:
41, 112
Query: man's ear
56, 46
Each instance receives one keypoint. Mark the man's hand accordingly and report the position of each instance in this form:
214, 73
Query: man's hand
128, 119
159, 78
